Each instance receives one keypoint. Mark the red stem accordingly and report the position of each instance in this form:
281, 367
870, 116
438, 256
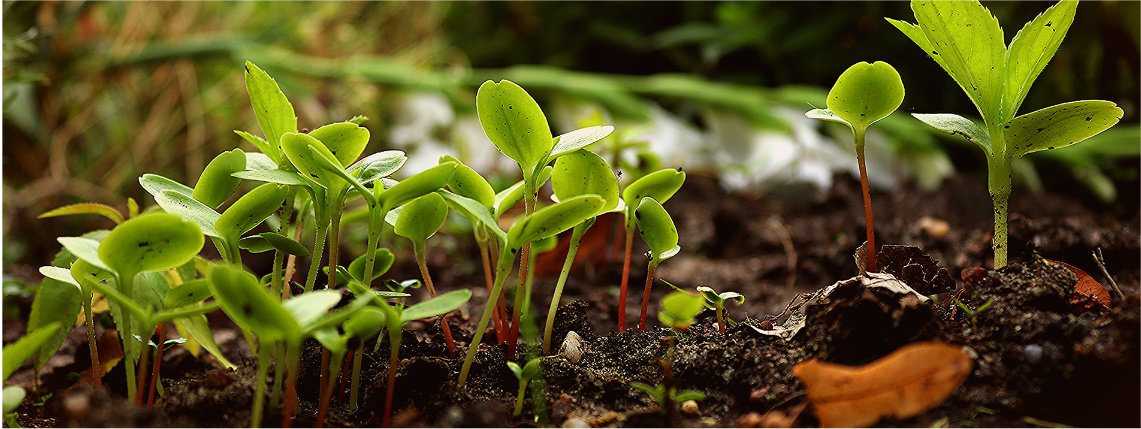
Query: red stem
625, 281
393, 359
432, 291
325, 393
646, 295
161, 331
871, 249
513, 340
345, 375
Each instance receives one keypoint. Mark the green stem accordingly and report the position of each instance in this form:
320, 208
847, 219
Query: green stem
264, 356
126, 284
375, 223
519, 398
653, 266
293, 361
96, 366
999, 185
548, 330
871, 248
277, 280
496, 314
334, 241
327, 389
625, 274
503, 269
354, 390
318, 251
393, 361
279, 358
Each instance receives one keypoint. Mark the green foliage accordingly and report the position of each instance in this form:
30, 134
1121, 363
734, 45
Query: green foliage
862, 95
514, 123
679, 308
659, 393
583, 172
657, 229
272, 108
524, 375
420, 218
151, 242
217, 181
19, 351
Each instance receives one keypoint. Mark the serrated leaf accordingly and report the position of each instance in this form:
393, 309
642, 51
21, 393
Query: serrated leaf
250, 305
1059, 125
656, 227
971, 43
151, 242
422, 217
189, 209
578, 139
866, 93
1032, 48
514, 123
955, 124
553, 219
250, 210
436, 306
273, 111
584, 172
345, 140
216, 182
57, 301
466, 182
85, 208
155, 184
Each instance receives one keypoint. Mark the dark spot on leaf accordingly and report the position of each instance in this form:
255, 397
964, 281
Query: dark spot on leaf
1048, 23
934, 53
144, 244
1089, 118
1040, 129
1006, 127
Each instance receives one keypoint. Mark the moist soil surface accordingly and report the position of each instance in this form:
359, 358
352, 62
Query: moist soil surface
1044, 350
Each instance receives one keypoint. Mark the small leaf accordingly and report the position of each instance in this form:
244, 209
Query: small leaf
308, 307
825, 115
254, 244
377, 165
475, 211
85, 249
216, 182
345, 140
659, 185
419, 184
421, 218
578, 139
199, 330
1032, 48
866, 93
258, 161
260, 144
1060, 125
151, 242
970, 42
297, 148
331, 339
955, 124
155, 184
58, 300
85, 208
656, 227
249, 305
584, 172
280, 177
274, 112
365, 323
901, 385
188, 293
19, 351
679, 308
436, 306
189, 209
285, 244
514, 123
382, 262
469, 184
250, 210
553, 219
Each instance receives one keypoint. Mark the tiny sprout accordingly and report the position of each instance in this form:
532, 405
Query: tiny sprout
862, 95
718, 300
660, 233
679, 308
525, 375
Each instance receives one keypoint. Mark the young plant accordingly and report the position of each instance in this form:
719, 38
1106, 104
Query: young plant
524, 374
419, 219
718, 300
659, 185
965, 39
862, 95
659, 232
678, 310
578, 173
15, 354
361, 325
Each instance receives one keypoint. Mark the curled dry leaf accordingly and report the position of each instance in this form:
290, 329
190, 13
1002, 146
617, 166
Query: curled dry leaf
909, 381
1088, 293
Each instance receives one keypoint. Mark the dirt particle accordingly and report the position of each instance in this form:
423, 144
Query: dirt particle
690, 408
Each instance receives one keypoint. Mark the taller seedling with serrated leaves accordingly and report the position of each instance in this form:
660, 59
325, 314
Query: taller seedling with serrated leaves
967, 41
864, 94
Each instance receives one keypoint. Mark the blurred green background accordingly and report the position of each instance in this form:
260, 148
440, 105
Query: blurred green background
98, 93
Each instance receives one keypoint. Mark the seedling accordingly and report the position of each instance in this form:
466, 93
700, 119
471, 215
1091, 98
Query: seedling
578, 173
525, 375
678, 310
864, 94
664, 396
419, 220
362, 324
965, 39
15, 354
973, 313
659, 232
718, 300
659, 185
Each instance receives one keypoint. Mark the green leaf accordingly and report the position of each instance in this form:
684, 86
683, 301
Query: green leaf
285, 244
85, 249
250, 210
689, 395
13, 397
19, 351
307, 308
466, 182
85, 208
553, 219
422, 217
331, 339
475, 211
436, 306
659, 185
419, 184
188, 293
578, 139
151, 242
345, 140
507, 198
377, 165
514, 123
250, 305
955, 124
254, 244
973, 49
260, 144
584, 172
382, 262
60, 275
515, 369
274, 112
657, 228
199, 330
679, 308
189, 209
259, 161
155, 184
825, 115
1060, 125
58, 300
866, 93
216, 182
1032, 48
365, 323
297, 148
281, 177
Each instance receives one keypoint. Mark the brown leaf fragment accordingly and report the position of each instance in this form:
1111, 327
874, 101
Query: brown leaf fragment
1088, 293
903, 384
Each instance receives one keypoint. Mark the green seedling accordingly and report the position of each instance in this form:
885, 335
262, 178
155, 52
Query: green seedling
420, 219
862, 95
664, 396
546, 222
679, 308
524, 375
516, 125
362, 324
15, 354
578, 173
659, 185
973, 313
395, 318
659, 232
965, 39
718, 300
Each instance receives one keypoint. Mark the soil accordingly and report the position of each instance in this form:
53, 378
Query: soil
1043, 352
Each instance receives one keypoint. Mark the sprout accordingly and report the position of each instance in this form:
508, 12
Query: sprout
718, 300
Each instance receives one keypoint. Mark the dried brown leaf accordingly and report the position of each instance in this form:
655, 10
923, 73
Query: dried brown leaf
1088, 293
903, 384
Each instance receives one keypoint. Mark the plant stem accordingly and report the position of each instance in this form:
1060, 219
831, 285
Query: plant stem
126, 285
144, 358
327, 389
572, 250
497, 321
356, 383
999, 184
345, 376
871, 249
393, 361
264, 354
293, 361
92, 345
503, 269
418, 249
720, 317
519, 398
520, 292
334, 241
653, 266
318, 251
276, 278
324, 388
161, 332
625, 275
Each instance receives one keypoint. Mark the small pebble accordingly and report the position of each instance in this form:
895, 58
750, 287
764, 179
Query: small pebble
766, 325
1032, 353
576, 423
934, 228
758, 395
571, 350
689, 408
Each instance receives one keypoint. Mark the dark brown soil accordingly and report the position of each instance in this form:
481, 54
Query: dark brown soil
1040, 358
